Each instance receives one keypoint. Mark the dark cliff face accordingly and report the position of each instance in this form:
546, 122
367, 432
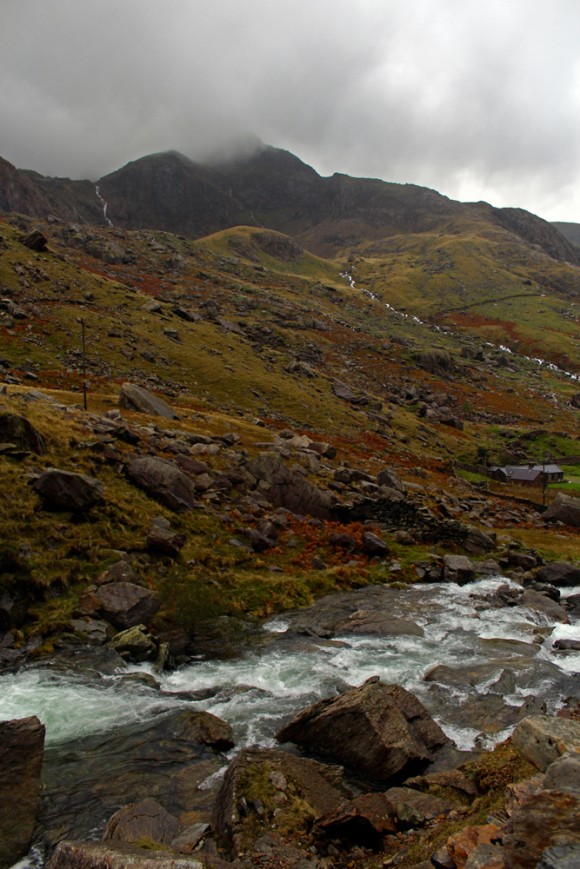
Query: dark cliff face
169, 192
19, 193
537, 231
571, 231
270, 188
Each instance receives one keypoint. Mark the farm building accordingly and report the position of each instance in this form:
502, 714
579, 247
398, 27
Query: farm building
527, 475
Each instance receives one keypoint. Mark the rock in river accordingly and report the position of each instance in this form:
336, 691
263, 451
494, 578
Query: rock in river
381, 731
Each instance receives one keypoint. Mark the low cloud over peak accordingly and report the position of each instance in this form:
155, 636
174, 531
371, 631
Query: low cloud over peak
477, 101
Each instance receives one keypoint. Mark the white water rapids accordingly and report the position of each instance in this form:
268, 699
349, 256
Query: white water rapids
261, 690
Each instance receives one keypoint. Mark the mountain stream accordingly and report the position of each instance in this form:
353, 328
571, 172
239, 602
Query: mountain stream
475, 657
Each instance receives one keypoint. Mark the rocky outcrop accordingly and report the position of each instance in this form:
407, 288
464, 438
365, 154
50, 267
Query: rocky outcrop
21, 750
562, 574
288, 488
19, 431
564, 508
163, 481
542, 739
138, 398
263, 786
65, 490
381, 731
125, 604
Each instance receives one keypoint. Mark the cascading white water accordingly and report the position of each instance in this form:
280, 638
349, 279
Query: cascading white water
541, 363
259, 691
104, 204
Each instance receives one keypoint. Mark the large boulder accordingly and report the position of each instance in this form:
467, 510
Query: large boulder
138, 398
125, 604
263, 787
21, 751
66, 490
288, 488
381, 731
135, 645
17, 430
163, 481
458, 568
560, 573
542, 739
564, 508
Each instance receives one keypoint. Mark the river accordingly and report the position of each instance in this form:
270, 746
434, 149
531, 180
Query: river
476, 662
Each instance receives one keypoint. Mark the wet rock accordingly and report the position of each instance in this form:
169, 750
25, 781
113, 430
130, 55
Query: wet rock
564, 508
125, 604
17, 430
86, 780
542, 739
548, 819
376, 623
92, 631
541, 603
96, 855
560, 573
65, 490
146, 821
138, 398
163, 481
381, 731
564, 645
263, 784
458, 568
134, 645
21, 751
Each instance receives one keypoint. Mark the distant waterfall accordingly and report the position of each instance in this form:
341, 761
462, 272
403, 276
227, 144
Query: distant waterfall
104, 204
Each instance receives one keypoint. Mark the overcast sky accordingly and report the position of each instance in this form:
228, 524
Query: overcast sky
479, 99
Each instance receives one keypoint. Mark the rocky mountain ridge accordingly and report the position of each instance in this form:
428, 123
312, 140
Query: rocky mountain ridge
271, 188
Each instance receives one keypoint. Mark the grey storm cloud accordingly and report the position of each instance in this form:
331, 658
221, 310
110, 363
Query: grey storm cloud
477, 100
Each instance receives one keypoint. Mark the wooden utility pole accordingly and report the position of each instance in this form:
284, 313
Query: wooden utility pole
83, 361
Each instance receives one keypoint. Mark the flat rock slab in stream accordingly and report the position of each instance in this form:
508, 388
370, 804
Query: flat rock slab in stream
93, 855
87, 780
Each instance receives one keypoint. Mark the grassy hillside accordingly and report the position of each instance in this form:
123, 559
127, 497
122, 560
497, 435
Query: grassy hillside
246, 333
